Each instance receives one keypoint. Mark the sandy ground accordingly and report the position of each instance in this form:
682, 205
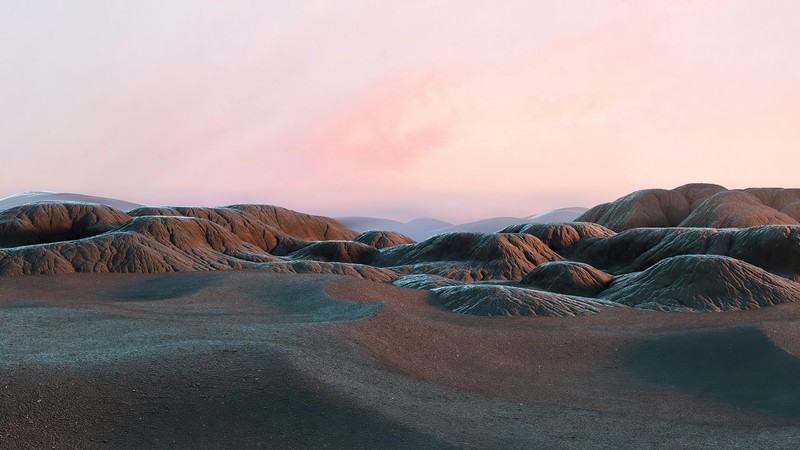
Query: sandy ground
249, 360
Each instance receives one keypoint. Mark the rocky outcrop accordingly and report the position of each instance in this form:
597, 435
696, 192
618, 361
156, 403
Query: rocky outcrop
568, 277
471, 256
702, 283
774, 248
269, 227
351, 270
383, 239
734, 209
561, 236
337, 251
425, 281
698, 205
45, 222
494, 300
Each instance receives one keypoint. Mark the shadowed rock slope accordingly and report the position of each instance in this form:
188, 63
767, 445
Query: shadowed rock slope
568, 277
774, 248
702, 283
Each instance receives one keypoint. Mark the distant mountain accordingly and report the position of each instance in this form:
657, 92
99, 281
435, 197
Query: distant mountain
417, 229
557, 215
44, 196
421, 229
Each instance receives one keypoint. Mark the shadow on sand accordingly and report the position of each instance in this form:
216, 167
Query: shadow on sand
251, 398
738, 365
163, 287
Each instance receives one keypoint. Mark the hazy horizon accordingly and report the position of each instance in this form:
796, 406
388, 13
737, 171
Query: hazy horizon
453, 110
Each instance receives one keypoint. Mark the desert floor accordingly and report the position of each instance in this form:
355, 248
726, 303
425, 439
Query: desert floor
243, 359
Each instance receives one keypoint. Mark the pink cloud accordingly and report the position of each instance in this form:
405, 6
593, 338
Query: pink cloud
388, 125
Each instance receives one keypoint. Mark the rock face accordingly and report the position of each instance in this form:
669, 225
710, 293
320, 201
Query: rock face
471, 256
774, 248
735, 209
268, 227
351, 270
561, 236
44, 238
647, 208
494, 300
40, 223
383, 239
702, 283
337, 251
425, 281
698, 205
568, 277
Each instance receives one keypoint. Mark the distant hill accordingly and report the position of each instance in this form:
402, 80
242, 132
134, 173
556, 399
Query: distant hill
44, 196
417, 229
421, 229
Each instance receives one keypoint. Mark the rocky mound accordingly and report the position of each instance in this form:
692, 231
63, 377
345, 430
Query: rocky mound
702, 283
111, 252
272, 228
646, 208
383, 239
561, 236
471, 256
337, 251
568, 277
298, 225
39, 223
494, 300
196, 237
425, 281
351, 270
143, 245
735, 209
698, 205
773, 248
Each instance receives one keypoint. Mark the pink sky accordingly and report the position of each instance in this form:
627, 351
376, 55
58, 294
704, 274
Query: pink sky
457, 110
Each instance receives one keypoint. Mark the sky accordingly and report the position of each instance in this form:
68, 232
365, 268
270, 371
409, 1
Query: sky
452, 109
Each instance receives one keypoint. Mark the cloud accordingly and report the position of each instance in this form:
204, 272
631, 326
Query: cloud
387, 126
